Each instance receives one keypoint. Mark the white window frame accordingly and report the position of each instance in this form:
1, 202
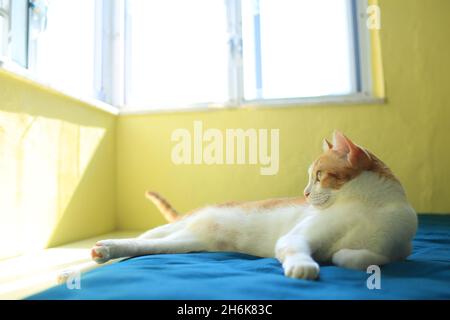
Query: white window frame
17, 32
361, 60
105, 54
112, 74
112, 58
5, 14
361, 46
235, 54
103, 74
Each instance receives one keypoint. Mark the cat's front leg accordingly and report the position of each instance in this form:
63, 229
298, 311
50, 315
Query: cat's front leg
300, 266
294, 253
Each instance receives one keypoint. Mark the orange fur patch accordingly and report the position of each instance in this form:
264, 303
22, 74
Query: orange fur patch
379, 167
265, 204
95, 254
336, 170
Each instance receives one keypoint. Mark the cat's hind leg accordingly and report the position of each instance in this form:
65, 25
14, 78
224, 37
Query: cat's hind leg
163, 231
179, 242
358, 259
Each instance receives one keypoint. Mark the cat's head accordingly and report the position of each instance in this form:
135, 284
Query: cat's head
341, 162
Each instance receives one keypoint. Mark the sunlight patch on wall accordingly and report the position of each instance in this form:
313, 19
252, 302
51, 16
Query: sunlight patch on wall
42, 161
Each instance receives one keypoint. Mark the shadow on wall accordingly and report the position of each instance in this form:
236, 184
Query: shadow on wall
56, 168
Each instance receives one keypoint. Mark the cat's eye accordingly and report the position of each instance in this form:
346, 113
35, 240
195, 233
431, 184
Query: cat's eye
318, 175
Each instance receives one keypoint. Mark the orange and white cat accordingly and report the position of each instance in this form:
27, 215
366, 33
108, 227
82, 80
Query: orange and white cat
356, 214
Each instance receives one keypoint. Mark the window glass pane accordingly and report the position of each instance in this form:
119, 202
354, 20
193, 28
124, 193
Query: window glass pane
177, 52
65, 49
3, 35
301, 48
18, 46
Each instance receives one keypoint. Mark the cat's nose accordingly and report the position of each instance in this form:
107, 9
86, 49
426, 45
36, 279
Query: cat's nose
306, 193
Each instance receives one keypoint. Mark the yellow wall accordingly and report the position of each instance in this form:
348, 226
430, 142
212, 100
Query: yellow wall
410, 132
57, 168
68, 171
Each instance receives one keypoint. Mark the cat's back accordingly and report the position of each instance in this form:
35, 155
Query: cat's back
269, 218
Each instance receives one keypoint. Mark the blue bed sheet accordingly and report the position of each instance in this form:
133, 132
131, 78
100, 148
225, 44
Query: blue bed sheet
425, 275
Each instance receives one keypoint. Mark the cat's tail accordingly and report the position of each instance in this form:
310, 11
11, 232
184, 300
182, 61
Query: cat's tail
164, 207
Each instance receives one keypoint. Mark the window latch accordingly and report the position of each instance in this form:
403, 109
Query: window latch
38, 17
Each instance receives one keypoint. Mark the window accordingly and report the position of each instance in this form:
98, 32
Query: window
163, 54
59, 41
295, 48
4, 26
13, 31
63, 44
188, 53
177, 52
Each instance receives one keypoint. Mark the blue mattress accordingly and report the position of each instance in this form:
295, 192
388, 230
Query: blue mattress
425, 275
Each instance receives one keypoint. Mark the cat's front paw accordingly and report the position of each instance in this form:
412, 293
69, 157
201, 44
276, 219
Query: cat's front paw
301, 269
100, 253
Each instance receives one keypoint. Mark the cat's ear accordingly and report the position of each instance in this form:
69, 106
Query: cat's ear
355, 154
326, 145
341, 143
